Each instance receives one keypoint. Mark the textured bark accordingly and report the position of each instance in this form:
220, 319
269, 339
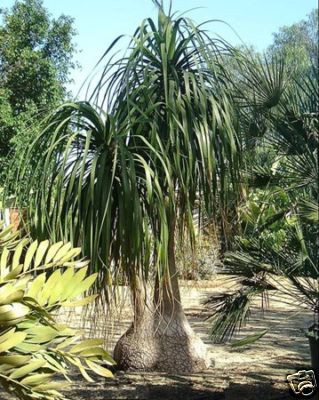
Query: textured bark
161, 345
160, 338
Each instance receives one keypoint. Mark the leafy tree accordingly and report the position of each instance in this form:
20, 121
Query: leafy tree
298, 43
36, 53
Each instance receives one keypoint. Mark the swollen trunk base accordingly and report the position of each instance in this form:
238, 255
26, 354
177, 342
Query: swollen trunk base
157, 343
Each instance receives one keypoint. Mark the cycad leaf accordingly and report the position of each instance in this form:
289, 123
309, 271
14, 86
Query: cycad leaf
13, 311
29, 255
36, 286
4, 261
31, 341
81, 302
248, 339
84, 285
6, 232
36, 379
26, 369
4, 336
52, 252
17, 253
14, 340
99, 370
15, 360
86, 344
42, 248
62, 252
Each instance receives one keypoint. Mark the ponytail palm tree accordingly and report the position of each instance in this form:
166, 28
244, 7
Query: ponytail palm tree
123, 182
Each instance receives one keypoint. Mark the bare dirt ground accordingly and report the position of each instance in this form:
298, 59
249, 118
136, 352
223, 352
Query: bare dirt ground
254, 372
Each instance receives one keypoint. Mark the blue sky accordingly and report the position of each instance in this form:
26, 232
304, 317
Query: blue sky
98, 22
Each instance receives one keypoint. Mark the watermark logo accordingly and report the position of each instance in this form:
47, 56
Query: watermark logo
303, 383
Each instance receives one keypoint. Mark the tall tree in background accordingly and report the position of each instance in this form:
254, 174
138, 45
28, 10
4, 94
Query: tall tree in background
298, 43
36, 55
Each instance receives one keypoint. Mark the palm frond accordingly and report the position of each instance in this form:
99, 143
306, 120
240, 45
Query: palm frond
229, 312
34, 347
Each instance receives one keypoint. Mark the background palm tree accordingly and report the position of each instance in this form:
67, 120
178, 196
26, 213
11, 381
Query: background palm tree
123, 183
278, 247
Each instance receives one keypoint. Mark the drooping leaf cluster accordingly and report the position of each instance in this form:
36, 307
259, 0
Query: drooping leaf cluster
157, 137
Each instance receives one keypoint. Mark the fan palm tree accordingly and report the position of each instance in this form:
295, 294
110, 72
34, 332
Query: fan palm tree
121, 174
289, 267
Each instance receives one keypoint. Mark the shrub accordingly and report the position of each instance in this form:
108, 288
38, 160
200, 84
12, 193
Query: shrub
36, 280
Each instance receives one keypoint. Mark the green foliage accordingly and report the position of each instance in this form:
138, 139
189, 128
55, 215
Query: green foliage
36, 280
298, 43
158, 133
36, 54
261, 267
277, 248
249, 339
266, 214
15, 132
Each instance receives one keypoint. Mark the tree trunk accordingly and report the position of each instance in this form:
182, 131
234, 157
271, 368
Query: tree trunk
160, 337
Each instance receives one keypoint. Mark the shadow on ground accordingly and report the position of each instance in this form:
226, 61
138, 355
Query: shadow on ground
177, 388
255, 372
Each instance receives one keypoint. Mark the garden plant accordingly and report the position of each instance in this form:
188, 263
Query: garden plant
121, 175
180, 131
37, 279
